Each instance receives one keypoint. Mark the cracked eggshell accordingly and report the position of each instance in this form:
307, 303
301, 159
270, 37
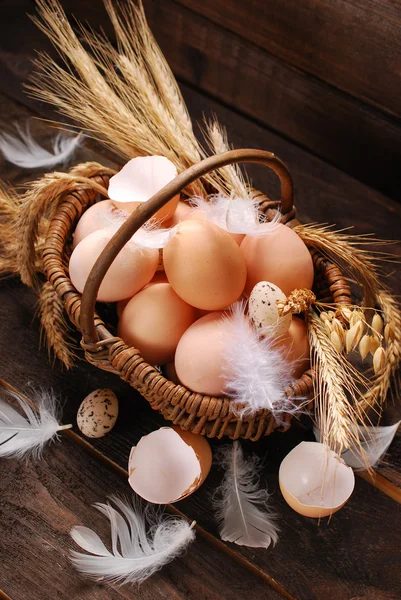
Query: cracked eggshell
315, 481
168, 464
98, 413
263, 310
139, 180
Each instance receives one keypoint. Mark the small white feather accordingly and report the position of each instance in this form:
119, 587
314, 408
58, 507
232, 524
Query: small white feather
150, 235
24, 151
22, 435
234, 214
256, 372
242, 511
375, 441
136, 554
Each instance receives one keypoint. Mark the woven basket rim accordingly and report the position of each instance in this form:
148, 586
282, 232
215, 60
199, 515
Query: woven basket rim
203, 414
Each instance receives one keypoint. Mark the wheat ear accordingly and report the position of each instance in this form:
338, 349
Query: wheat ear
337, 390
381, 384
41, 201
231, 177
54, 326
9, 208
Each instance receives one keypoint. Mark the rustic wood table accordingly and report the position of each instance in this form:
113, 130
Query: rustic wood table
355, 555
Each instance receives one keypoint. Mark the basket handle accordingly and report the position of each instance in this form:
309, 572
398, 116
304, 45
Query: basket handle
146, 210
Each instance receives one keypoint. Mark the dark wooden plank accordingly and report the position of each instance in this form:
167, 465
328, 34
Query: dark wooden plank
332, 124
309, 561
43, 500
353, 45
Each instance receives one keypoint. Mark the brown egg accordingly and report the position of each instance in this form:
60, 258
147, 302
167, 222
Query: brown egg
121, 304
159, 277
295, 344
182, 212
133, 268
199, 356
201, 215
154, 320
169, 372
96, 217
280, 257
204, 265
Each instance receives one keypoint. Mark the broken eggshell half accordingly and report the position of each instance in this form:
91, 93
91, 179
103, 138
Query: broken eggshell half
314, 480
140, 179
168, 464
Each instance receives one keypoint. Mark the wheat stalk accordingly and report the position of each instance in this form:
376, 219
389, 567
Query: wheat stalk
378, 391
138, 110
231, 178
41, 201
349, 252
9, 208
337, 391
54, 325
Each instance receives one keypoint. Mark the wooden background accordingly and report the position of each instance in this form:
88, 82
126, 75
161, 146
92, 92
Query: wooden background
325, 74
318, 84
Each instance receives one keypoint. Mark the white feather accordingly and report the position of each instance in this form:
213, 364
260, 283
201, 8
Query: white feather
256, 372
242, 512
27, 434
375, 441
135, 554
150, 235
234, 214
24, 151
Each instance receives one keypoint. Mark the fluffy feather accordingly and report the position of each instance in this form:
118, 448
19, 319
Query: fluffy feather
135, 554
234, 214
374, 443
256, 373
241, 520
24, 151
23, 435
150, 235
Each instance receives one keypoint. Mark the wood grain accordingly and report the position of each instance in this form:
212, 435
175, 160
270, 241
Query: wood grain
348, 132
353, 45
43, 500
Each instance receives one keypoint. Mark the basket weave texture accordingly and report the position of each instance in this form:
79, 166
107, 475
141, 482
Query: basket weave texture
201, 414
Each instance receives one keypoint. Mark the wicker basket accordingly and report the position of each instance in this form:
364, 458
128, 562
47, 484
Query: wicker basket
204, 415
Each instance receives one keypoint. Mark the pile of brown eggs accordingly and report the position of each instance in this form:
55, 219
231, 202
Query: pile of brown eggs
171, 302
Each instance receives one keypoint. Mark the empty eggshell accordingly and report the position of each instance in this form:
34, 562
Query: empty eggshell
154, 320
199, 357
168, 464
98, 216
133, 267
139, 180
98, 413
314, 480
204, 265
263, 310
280, 257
